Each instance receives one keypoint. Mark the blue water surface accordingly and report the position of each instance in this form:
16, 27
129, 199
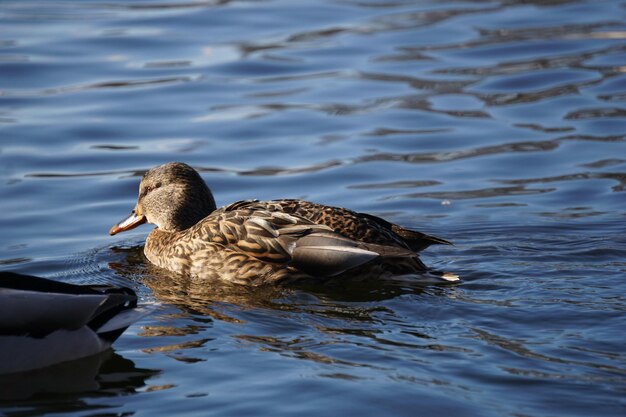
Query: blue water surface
499, 125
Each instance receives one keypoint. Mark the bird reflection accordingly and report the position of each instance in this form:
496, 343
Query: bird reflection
350, 308
104, 374
197, 296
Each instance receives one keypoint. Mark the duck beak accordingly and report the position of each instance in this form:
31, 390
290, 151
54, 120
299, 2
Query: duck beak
128, 223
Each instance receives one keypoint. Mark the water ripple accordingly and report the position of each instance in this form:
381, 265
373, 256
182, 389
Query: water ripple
121, 84
498, 126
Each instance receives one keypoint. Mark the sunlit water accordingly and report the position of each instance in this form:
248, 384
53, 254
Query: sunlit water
498, 125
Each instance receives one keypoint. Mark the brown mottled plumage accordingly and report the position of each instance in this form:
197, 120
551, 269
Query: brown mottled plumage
264, 242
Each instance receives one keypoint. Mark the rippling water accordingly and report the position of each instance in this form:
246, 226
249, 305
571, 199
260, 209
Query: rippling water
499, 125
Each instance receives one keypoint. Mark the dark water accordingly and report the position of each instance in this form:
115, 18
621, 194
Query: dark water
499, 125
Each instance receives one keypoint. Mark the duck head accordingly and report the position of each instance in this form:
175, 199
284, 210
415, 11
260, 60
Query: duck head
172, 196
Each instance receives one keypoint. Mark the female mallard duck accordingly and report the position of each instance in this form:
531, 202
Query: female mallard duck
264, 242
44, 322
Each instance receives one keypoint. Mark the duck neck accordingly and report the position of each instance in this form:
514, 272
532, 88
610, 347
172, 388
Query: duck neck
184, 209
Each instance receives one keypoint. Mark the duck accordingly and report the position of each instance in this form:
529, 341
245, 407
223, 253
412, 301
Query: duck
253, 242
45, 322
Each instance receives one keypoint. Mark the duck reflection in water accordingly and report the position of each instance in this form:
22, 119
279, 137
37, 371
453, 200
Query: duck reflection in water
105, 374
199, 296
283, 319
266, 242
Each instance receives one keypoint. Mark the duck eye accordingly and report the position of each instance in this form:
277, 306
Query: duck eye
152, 187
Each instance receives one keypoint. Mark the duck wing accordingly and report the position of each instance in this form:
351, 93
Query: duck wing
357, 226
44, 322
37, 306
278, 237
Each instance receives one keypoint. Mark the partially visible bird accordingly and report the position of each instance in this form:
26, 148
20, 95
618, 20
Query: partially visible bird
44, 322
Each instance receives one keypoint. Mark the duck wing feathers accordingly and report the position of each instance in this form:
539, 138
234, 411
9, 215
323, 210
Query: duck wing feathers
279, 237
357, 226
44, 322
37, 306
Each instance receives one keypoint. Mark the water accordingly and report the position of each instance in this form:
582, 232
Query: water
498, 125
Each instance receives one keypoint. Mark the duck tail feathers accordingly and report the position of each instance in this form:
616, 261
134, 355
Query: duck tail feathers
117, 324
443, 276
418, 241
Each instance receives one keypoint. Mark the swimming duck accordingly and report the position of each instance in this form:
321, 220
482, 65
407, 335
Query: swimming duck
264, 242
44, 322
